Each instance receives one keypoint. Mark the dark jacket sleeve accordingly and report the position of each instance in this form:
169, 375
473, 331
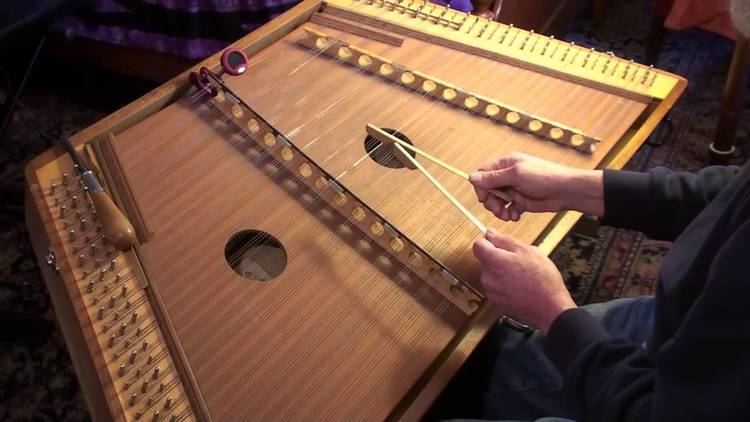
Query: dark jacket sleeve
660, 202
700, 374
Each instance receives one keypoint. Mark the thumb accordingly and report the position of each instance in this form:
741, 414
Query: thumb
489, 179
501, 241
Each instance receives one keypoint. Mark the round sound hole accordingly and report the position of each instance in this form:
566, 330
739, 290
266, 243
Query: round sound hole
255, 255
383, 155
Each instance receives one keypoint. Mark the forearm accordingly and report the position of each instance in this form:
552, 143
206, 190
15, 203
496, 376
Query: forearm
583, 191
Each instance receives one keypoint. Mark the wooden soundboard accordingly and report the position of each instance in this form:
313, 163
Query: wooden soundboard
355, 293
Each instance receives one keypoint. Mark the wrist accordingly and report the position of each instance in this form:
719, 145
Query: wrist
585, 192
553, 312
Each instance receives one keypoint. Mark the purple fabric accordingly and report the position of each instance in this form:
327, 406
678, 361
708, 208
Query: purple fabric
102, 22
462, 5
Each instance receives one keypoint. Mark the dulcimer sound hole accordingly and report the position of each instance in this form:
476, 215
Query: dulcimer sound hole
255, 255
383, 154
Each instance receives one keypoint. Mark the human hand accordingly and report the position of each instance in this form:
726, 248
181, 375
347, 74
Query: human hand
521, 281
537, 185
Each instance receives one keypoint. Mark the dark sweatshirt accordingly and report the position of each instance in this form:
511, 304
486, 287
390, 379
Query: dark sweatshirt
696, 366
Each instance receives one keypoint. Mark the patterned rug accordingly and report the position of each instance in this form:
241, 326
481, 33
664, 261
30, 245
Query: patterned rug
37, 381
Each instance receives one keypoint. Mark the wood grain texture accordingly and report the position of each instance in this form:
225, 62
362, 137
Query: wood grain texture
344, 332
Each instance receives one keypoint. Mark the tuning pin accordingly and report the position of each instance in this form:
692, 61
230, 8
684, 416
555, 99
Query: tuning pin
156, 416
81, 260
71, 235
124, 291
149, 361
121, 370
646, 74
116, 316
111, 302
155, 375
52, 188
526, 40
123, 326
90, 287
65, 177
102, 273
144, 346
132, 357
112, 264
168, 402
83, 224
161, 387
506, 32
112, 340
117, 278
138, 331
133, 317
100, 313
62, 211
133, 398
627, 69
92, 249
173, 418
144, 386
74, 202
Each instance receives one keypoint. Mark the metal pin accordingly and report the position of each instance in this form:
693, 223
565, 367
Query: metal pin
127, 304
144, 346
138, 373
100, 313
81, 260
83, 224
138, 331
65, 179
513, 40
57, 200
124, 291
74, 202
112, 264
132, 357
526, 40
78, 214
68, 191
150, 360
111, 302
117, 278
505, 34
116, 316
155, 375
62, 211
123, 326
112, 340
71, 235
92, 249
138, 414
546, 45
133, 397
106, 288
90, 287
52, 187
102, 273
133, 317
497, 26
105, 328
161, 387
127, 344
144, 386
168, 402
121, 371
645, 75
156, 416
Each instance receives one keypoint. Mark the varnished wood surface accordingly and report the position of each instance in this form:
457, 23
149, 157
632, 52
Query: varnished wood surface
285, 347
449, 337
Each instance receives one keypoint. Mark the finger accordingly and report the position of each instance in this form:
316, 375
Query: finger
491, 179
481, 193
488, 254
502, 241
